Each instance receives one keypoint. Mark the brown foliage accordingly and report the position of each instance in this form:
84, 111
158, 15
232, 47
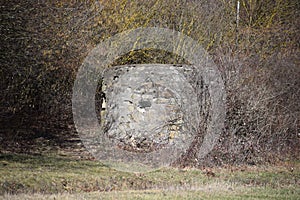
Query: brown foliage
44, 43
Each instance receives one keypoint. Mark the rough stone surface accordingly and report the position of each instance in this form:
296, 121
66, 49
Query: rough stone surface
145, 105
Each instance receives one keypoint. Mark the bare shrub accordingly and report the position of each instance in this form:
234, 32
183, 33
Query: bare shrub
44, 43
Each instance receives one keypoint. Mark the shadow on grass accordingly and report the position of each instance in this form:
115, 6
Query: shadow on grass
37, 161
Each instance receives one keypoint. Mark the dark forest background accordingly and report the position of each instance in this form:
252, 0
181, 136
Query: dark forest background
43, 44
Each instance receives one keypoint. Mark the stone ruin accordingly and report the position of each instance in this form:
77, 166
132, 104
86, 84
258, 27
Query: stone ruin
148, 106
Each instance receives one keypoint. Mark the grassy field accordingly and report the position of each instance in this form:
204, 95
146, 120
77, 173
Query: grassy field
53, 177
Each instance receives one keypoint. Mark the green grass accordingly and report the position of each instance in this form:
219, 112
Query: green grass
205, 193
49, 177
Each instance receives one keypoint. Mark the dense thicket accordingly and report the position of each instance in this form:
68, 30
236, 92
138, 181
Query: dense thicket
43, 43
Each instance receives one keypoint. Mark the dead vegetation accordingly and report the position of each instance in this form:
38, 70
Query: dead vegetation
44, 43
